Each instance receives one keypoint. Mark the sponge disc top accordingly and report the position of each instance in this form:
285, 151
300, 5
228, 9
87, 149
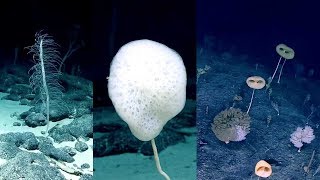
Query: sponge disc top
147, 86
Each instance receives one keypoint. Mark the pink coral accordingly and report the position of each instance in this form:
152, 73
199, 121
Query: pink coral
302, 135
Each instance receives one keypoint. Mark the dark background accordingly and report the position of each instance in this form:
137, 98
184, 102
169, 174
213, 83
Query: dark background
103, 27
256, 27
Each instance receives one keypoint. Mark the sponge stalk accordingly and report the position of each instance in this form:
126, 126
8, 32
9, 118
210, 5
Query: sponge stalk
156, 158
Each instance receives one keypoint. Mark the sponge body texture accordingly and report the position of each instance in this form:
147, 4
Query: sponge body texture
147, 86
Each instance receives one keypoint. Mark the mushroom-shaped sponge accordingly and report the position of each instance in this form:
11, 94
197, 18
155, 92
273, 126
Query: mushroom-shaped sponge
256, 82
285, 51
147, 86
263, 169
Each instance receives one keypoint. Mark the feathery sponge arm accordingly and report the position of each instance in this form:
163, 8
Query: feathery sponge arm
44, 79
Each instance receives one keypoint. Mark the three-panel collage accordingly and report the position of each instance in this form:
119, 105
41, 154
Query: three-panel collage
159, 90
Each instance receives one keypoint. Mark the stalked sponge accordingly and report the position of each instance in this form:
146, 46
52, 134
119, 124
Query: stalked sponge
147, 86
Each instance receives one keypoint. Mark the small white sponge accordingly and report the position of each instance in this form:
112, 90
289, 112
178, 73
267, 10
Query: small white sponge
147, 86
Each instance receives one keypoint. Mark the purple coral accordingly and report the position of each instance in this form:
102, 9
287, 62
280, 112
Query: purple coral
302, 135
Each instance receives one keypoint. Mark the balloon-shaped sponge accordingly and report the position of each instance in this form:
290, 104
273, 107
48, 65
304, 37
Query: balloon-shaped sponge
147, 86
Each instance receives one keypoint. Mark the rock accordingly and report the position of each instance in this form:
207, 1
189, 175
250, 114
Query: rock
16, 124
78, 84
8, 150
58, 111
82, 126
30, 166
117, 142
47, 148
79, 127
24, 101
12, 97
70, 150
20, 89
85, 166
30, 96
101, 147
86, 177
26, 140
35, 119
81, 146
